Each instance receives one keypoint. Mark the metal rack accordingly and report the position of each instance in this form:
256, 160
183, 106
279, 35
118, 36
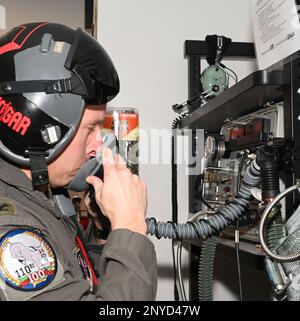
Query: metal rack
242, 98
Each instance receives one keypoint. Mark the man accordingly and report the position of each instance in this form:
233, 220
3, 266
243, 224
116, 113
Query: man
54, 86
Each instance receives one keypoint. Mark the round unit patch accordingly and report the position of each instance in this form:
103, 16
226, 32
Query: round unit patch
27, 260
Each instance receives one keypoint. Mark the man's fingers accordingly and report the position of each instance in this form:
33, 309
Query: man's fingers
144, 186
136, 179
121, 164
97, 184
108, 161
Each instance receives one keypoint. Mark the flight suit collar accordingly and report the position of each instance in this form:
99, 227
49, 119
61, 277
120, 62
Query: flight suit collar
13, 175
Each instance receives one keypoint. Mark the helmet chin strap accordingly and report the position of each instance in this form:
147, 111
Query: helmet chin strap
39, 168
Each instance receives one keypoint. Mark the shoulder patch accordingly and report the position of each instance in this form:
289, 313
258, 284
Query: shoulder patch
7, 207
27, 260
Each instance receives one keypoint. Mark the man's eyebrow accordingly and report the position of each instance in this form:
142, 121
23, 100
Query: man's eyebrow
96, 122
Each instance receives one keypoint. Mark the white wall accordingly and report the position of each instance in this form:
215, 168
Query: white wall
145, 39
69, 12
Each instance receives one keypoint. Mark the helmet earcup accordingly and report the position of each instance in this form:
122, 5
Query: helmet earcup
214, 80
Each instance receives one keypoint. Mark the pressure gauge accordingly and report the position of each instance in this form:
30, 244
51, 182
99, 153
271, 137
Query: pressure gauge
210, 147
214, 147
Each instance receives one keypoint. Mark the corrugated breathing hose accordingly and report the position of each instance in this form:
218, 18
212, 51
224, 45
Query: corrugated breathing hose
275, 234
275, 256
206, 269
204, 228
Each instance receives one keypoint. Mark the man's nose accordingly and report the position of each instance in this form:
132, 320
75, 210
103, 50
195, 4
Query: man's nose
96, 143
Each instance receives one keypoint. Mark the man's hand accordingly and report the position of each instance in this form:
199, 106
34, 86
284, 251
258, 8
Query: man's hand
122, 197
94, 212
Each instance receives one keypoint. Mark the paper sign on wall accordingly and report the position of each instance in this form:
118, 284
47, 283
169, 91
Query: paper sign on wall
2, 17
276, 30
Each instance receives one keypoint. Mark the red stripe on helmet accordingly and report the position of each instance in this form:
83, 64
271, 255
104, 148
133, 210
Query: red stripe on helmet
13, 45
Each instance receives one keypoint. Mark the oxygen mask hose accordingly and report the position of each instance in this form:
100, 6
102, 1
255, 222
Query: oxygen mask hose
204, 228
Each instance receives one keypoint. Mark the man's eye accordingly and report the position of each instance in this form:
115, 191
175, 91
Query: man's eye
90, 129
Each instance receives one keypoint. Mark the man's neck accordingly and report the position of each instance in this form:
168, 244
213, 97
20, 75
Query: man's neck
27, 172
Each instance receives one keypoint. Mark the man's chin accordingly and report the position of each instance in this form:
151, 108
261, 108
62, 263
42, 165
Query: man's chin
70, 179
62, 183
58, 185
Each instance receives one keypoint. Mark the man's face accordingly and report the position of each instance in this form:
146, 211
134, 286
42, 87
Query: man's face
83, 146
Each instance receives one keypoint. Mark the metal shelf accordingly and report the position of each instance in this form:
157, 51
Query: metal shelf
244, 97
250, 254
